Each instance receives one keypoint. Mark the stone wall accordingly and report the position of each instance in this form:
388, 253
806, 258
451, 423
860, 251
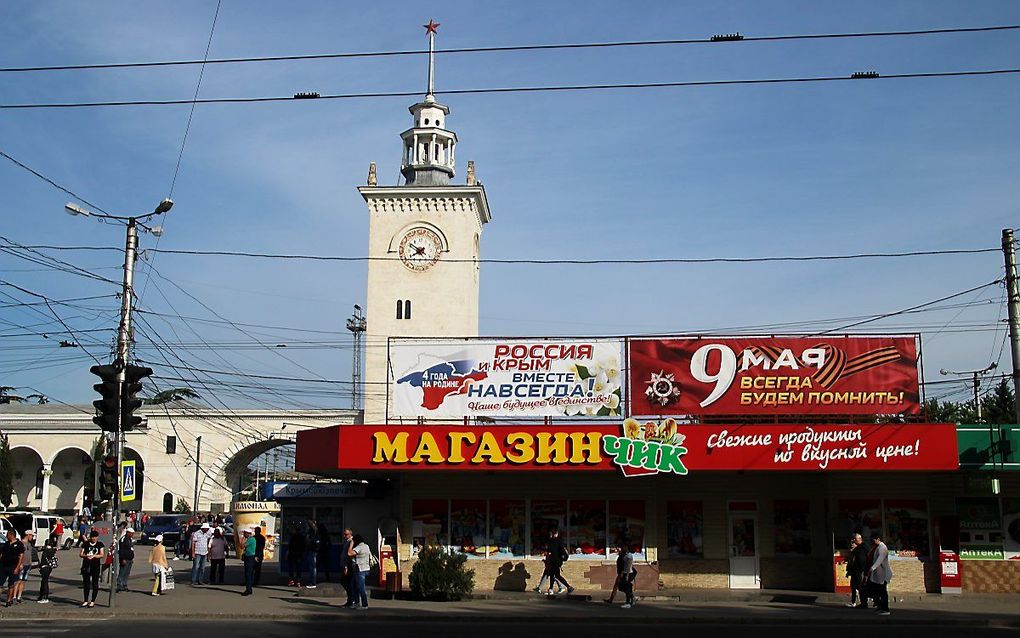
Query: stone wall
699, 574
522, 575
991, 576
809, 574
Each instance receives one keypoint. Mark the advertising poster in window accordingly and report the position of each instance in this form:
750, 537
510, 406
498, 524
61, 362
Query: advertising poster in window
587, 528
773, 375
685, 528
507, 519
906, 524
467, 527
429, 523
1011, 528
980, 528
546, 517
792, 533
506, 378
627, 526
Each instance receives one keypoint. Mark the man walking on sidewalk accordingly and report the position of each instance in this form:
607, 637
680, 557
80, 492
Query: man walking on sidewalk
857, 570
248, 556
879, 573
557, 556
126, 556
347, 566
199, 553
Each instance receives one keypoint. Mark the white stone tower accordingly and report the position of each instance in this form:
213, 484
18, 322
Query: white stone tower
423, 244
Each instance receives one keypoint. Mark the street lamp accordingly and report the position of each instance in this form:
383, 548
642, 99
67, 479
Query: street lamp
976, 380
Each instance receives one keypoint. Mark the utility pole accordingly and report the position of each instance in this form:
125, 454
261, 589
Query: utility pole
1013, 305
357, 324
198, 467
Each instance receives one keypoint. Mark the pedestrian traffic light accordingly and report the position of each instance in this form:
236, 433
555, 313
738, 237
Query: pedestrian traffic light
107, 478
108, 407
133, 376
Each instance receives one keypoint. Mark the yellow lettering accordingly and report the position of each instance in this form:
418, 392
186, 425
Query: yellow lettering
585, 448
488, 449
552, 448
387, 450
457, 440
521, 447
428, 450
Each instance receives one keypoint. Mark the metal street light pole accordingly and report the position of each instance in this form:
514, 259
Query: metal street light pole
123, 351
976, 381
1013, 306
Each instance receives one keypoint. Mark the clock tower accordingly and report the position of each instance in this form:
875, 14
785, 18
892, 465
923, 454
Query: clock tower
423, 244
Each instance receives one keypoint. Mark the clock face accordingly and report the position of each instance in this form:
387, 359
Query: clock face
419, 249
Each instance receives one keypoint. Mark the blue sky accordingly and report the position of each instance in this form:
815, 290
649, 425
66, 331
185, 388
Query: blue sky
864, 166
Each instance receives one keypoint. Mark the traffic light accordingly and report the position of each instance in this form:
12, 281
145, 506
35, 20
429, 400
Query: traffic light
107, 408
108, 478
133, 376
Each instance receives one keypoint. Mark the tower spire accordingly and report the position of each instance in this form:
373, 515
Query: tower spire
430, 30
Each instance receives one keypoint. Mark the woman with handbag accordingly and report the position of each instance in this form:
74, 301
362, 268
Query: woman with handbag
157, 558
362, 560
47, 564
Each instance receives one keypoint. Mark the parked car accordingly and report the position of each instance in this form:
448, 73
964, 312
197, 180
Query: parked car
169, 525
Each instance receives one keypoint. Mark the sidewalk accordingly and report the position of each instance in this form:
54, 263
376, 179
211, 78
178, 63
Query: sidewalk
277, 601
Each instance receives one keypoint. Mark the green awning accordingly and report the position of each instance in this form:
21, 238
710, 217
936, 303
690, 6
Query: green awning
988, 446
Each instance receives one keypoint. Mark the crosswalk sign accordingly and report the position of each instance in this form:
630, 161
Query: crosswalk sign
127, 481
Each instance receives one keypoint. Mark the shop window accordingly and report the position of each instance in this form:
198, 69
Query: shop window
907, 527
507, 529
980, 534
627, 525
429, 523
792, 534
857, 516
685, 528
171, 445
467, 527
587, 535
546, 516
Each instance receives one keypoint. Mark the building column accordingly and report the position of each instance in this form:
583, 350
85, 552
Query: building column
44, 501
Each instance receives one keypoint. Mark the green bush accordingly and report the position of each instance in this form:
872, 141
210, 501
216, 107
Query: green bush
440, 575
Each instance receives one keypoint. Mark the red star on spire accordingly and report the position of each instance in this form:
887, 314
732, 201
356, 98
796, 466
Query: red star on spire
431, 27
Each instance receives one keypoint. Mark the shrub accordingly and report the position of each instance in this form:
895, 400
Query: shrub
440, 575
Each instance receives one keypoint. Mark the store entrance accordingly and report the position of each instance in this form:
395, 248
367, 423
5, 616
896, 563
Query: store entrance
743, 539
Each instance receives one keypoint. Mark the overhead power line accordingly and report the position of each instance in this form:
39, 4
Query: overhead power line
509, 48
54, 184
516, 89
658, 260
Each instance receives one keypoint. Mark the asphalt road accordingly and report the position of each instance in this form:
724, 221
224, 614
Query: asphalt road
92, 625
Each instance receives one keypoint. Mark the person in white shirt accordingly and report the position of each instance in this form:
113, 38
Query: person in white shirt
199, 552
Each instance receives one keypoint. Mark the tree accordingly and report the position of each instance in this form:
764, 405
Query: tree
182, 506
6, 472
6, 397
172, 394
998, 406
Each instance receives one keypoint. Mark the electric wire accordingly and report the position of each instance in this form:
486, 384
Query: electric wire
518, 89
506, 48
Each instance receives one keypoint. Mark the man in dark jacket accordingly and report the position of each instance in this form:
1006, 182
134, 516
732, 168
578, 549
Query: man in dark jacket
557, 555
348, 568
126, 558
856, 568
296, 556
260, 553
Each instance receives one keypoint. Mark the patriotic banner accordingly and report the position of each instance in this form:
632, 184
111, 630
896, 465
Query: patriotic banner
774, 375
635, 448
514, 378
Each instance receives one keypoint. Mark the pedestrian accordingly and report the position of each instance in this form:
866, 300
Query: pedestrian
248, 556
125, 558
12, 560
322, 556
312, 553
58, 531
47, 563
217, 556
547, 575
879, 573
295, 556
260, 553
199, 554
92, 555
157, 560
362, 559
347, 566
856, 571
83, 532
557, 555
31, 557
625, 574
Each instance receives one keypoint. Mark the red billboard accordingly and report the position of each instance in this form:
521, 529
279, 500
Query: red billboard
636, 448
773, 375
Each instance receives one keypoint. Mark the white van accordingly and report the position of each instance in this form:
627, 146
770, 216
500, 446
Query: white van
40, 523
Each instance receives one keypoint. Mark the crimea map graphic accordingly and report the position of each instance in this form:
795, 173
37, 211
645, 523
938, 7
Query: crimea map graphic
442, 380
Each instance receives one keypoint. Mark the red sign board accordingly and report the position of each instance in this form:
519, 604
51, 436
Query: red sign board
648, 449
774, 375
